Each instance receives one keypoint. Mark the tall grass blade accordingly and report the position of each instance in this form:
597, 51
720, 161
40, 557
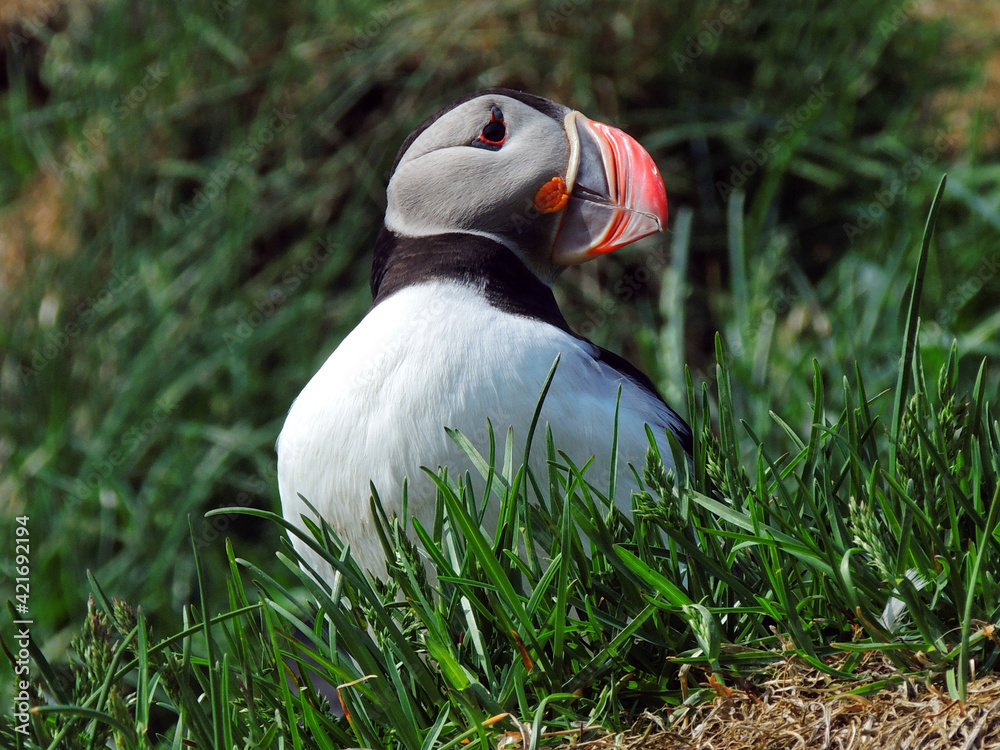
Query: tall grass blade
905, 375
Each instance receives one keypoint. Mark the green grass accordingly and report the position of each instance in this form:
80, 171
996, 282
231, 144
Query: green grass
574, 615
214, 260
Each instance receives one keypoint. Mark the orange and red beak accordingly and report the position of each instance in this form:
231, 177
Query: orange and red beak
616, 194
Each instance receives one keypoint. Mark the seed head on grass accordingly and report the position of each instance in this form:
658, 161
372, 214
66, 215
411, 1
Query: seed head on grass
94, 647
871, 535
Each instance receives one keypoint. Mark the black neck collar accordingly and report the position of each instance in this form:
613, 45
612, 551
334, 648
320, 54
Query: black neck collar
480, 262
505, 281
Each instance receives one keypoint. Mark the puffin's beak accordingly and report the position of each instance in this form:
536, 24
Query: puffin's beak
616, 194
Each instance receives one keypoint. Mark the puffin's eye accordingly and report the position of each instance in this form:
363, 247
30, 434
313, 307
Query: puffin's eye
494, 133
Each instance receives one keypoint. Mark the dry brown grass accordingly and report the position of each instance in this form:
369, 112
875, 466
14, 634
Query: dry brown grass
978, 27
40, 220
794, 707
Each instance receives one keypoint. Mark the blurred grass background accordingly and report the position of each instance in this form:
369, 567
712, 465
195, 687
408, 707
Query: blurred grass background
190, 193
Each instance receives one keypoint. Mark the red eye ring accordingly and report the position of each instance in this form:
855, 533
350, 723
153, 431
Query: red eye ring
494, 133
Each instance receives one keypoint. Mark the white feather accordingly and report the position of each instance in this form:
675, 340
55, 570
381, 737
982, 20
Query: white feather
437, 355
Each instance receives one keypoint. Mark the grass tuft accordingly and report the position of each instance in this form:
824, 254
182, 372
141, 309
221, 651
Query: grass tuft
573, 614
188, 215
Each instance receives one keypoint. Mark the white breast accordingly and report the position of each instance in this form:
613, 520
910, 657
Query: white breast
438, 355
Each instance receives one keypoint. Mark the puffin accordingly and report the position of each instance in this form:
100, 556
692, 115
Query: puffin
488, 200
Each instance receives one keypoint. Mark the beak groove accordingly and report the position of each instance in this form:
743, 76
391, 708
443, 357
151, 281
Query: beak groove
617, 195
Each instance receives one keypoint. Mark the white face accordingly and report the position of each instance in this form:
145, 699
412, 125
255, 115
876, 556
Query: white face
444, 183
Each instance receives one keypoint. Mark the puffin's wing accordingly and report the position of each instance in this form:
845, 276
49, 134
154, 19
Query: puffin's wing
664, 415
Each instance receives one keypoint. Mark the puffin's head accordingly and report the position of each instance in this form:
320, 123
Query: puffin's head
553, 186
